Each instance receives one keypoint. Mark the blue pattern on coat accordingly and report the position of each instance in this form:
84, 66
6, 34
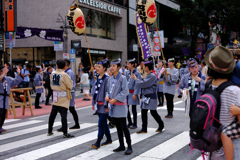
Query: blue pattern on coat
37, 82
101, 94
120, 94
149, 86
131, 86
11, 82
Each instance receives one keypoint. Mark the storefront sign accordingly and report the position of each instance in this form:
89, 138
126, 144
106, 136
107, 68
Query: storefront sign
76, 44
65, 55
143, 37
135, 47
58, 46
96, 52
102, 6
47, 34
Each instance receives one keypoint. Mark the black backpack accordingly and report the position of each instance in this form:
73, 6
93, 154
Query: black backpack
205, 127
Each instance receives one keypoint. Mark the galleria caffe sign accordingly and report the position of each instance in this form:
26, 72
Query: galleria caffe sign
101, 5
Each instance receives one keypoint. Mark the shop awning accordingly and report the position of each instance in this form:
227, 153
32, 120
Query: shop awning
19, 60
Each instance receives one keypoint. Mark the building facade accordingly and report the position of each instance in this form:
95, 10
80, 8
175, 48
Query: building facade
106, 30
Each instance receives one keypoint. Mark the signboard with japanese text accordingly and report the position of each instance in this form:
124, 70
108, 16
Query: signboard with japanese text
143, 37
58, 46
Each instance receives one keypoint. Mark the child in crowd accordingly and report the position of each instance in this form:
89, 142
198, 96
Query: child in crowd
85, 84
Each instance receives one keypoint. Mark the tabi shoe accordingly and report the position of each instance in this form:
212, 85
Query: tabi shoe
96, 113
59, 130
111, 125
160, 129
75, 127
2, 130
170, 116
49, 134
68, 136
47, 104
120, 148
167, 116
96, 145
106, 142
129, 125
141, 131
133, 127
128, 151
38, 107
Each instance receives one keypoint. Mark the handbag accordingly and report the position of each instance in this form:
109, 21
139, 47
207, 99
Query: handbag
233, 129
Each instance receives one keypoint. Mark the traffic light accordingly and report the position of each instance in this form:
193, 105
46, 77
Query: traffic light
10, 15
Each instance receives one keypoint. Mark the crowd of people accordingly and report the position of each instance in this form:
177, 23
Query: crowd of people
115, 87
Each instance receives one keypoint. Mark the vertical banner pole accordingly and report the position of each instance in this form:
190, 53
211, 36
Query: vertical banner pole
89, 54
161, 48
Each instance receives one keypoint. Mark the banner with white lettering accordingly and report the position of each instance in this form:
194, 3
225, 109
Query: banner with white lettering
143, 37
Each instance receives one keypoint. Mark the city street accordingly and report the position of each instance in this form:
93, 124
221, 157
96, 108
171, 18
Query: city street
27, 138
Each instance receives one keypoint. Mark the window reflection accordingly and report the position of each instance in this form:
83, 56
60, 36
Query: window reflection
99, 24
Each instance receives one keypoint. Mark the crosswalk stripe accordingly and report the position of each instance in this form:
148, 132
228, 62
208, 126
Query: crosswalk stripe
21, 124
167, 148
45, 151
105, 151
26, 131
11, 120
39, 138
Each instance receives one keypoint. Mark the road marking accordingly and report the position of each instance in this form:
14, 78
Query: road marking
57, 147
25, 131
21, 124
11, 120
24, 142
105, 151
167, 148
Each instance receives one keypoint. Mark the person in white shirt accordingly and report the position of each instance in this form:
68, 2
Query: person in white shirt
85, 84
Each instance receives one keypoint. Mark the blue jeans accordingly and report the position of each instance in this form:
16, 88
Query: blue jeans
102, 125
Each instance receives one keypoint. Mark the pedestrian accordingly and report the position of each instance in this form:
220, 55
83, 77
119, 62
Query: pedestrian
31, 76
99, 103
10, 71
170, 77
85, 84
159, 71
72, 109
133, 97
116, 96
46, 78
183, 71
178, 64
25, 74
193, 82
6, 83
221, 63
61, 85
38, 82
204, 67
80, 68
149, 100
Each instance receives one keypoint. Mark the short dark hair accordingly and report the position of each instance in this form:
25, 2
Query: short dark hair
149, 65
29, 66
85, 70
20, 65
61, 64
7, 63
203, 62
37, 69
67, 61
215, 75
105, 65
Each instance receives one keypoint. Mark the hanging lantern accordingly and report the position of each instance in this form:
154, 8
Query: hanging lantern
147, 11
76, 20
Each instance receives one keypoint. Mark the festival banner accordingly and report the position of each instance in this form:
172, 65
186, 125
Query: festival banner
143, 37
47, 34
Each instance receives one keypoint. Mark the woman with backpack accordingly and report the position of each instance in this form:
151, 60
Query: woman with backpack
221, 63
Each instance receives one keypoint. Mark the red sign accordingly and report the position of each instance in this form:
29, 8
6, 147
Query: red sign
156, 48
156, 40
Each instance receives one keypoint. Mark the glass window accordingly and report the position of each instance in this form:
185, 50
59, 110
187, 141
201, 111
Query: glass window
99, 24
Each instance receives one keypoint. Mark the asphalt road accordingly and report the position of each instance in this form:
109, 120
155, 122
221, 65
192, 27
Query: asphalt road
27, 139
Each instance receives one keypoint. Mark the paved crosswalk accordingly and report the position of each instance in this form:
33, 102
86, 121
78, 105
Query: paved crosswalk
31, 142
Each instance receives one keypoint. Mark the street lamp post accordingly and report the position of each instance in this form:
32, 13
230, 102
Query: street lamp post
60, 20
